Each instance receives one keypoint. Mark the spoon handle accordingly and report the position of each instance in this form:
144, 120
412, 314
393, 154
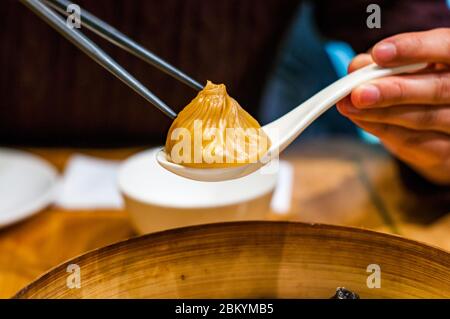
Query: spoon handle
288, 127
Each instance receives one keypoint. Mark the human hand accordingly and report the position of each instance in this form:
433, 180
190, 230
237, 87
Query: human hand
409, 113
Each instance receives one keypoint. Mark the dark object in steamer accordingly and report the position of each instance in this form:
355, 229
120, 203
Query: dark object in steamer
344, 293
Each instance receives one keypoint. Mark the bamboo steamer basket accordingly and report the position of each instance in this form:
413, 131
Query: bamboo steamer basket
253, 260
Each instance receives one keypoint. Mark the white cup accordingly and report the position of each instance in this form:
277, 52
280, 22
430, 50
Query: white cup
157, 199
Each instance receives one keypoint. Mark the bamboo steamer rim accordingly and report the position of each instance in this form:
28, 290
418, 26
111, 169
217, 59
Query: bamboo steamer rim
437, 254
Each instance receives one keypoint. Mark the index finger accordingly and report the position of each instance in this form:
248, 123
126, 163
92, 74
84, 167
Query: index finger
413, 47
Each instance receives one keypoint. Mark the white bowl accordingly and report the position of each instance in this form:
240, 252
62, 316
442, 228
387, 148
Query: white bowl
157, 199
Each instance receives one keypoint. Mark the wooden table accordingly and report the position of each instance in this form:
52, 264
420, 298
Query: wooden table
336, 182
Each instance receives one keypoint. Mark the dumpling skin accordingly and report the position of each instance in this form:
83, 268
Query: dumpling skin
214, 131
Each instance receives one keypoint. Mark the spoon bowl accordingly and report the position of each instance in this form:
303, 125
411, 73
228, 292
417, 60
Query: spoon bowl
287, 128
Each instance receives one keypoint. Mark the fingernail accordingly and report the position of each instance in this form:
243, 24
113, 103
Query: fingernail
369, 94
384, 52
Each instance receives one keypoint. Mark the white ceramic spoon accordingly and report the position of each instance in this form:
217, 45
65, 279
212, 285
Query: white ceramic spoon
288, 127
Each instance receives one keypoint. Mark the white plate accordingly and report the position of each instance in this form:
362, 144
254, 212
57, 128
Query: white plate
27, 185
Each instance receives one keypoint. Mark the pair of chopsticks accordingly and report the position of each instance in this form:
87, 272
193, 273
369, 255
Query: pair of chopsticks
43, 9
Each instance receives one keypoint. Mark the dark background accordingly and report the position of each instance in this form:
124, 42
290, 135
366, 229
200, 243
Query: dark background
54, 94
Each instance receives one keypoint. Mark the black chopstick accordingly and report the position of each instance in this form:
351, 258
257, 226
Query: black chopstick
116, 37
97, 54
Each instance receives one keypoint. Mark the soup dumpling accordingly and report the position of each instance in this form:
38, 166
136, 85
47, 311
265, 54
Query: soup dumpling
214, 131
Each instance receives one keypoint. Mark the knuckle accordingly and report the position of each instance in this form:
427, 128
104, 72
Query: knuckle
408, 45
441, 88
427, 118
398, 92
443, 34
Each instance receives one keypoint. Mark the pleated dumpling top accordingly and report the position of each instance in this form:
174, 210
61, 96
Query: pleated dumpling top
214, 131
